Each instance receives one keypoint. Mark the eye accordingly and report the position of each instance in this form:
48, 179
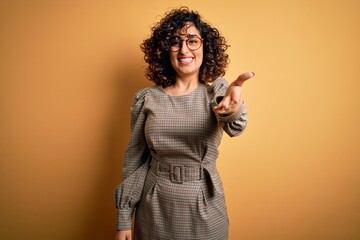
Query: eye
175, 42
193, 41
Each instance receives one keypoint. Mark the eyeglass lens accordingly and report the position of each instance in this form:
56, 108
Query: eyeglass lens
192, 43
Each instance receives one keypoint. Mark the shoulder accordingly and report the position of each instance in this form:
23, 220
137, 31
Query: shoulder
145, 93
139, 97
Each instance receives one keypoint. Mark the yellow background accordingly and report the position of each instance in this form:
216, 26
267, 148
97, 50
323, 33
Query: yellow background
69, 70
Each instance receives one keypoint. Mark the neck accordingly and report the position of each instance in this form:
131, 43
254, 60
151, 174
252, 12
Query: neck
186, 83
182, 86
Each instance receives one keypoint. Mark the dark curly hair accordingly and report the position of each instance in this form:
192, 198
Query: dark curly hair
156, 48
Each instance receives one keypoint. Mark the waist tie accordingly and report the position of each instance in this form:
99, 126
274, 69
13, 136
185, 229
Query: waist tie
177, 173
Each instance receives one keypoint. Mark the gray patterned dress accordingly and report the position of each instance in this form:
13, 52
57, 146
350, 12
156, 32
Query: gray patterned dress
169, 170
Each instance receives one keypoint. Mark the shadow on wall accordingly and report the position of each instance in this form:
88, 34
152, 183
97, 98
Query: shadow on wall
101, 223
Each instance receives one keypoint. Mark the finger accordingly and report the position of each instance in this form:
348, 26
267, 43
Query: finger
224, 104
228, 110
243, 77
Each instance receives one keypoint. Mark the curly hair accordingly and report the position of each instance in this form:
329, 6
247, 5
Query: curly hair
156, 48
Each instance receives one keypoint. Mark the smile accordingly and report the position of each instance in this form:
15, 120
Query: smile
186, 60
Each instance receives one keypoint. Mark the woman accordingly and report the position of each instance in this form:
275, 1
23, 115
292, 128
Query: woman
169, 172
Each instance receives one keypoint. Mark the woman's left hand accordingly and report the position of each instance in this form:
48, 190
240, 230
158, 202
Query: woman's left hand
232, 101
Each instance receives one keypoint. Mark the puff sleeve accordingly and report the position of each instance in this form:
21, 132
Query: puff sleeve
135, 165
235, 123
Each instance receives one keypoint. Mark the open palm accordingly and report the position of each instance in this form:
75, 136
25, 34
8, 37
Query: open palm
232, 101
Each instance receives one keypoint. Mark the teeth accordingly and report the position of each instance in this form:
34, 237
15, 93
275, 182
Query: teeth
185, 60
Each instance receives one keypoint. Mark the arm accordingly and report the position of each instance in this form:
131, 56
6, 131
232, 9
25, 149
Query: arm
135, 166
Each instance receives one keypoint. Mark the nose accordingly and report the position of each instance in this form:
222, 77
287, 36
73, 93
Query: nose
184, 48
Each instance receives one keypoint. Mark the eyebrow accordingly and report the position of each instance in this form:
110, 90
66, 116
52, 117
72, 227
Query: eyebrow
189, 35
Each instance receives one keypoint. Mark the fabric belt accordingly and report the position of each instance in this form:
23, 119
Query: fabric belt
177, 173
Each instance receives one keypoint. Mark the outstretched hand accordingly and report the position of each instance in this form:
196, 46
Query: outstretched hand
232, 101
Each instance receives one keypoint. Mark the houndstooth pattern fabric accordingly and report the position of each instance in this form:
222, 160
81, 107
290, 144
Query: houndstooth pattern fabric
176, 130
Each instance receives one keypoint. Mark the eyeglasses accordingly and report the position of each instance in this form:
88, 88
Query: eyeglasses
193, 43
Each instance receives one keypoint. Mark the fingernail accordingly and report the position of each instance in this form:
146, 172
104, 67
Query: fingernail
253, 73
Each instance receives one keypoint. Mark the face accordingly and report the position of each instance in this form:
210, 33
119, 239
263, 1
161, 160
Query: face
187, 62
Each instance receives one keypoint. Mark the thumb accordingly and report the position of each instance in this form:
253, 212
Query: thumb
243, 77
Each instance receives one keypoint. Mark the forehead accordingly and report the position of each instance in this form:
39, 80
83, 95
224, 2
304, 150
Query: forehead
188, 29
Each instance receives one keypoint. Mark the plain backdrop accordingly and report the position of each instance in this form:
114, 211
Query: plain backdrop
68, 73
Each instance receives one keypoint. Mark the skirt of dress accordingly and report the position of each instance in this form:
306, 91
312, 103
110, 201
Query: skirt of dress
184, 211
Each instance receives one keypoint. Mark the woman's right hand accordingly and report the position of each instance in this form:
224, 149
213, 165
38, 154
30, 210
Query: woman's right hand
123, 235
